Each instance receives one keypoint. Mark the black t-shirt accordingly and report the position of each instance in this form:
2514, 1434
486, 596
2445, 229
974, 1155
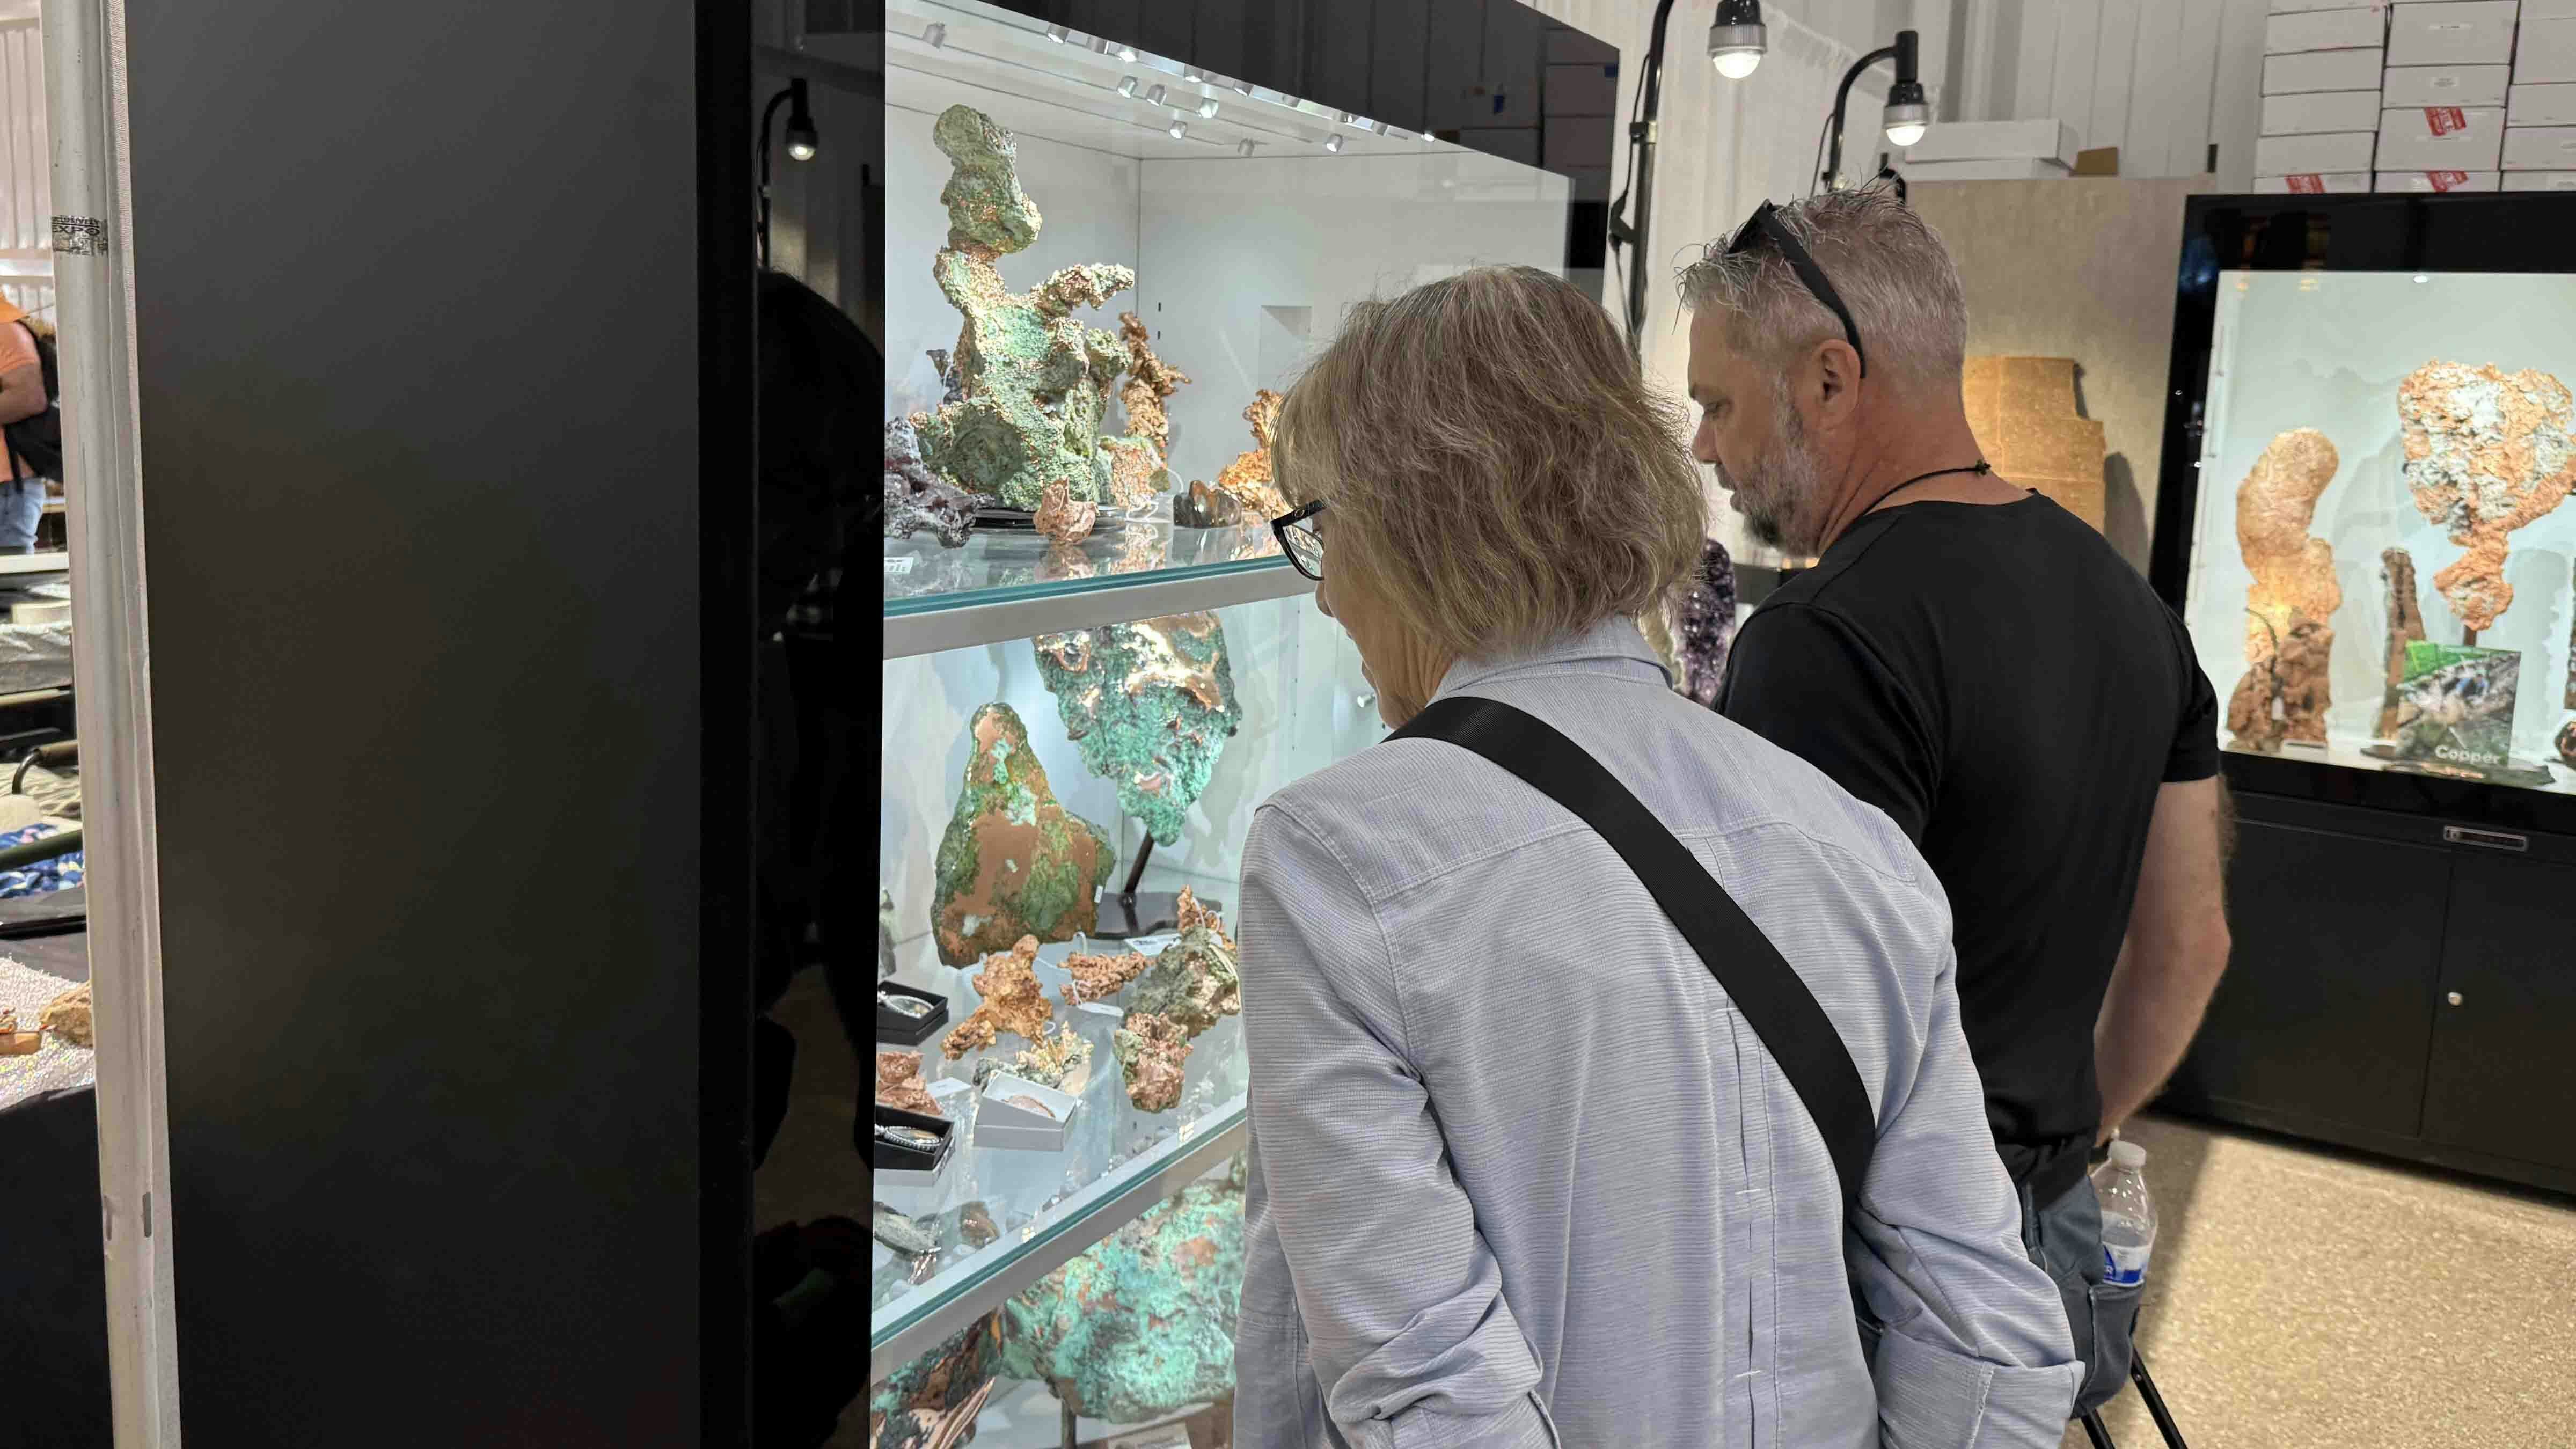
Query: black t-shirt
2000, 682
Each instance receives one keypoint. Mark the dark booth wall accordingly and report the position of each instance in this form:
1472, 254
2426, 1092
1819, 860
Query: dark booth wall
420, 368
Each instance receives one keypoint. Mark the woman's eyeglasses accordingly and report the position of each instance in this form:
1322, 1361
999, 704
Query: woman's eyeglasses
1299, 540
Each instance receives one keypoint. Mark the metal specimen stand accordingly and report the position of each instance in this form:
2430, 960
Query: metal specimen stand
1131, 912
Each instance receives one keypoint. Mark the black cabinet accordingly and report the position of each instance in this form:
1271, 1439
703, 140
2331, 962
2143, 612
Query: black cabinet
2503, 1073
2396, 986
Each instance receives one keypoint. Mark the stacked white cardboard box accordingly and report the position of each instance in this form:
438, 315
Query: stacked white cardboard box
2540, 112
2443, 118
2321, 65
2034, 150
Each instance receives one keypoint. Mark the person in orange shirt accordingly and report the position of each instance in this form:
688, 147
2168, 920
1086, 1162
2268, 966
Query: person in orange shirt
22, 396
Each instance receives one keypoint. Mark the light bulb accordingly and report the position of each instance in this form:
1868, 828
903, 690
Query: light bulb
1058, 34
1178, 130
1127, 53
1737, 40
1333, 144
1737, 64
1193, 74
1207, 109
1155, 96
1244, 148
935, 35
1127, 86
1907, 115
1905, 134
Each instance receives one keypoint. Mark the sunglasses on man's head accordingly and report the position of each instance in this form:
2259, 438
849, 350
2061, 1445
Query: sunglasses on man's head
1765, 225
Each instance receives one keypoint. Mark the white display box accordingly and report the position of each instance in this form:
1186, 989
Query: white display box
2332, 183
2546, 53
2045, 138
2320, 70
2354, 28
2540, 181
1000, 1122
2296, 155
2441, 138
2540, 148
2027, 169
2444, 85
2457, 32
2319, 112
2550, 105
2438, 182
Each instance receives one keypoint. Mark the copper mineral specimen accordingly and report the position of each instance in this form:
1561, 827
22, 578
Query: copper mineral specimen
1059, 1052
1151, 1050
917, 499
2288, 635
1141, 1325
2405, 625
899, 1084
1014, 862
2486, 453
1193, 982
1247, 478
1191, 914
1034, 379
1137, 460
1150, 705
1205, 507
1012, 1002
932, 1402
1061, 518
68, 1017
1097, 978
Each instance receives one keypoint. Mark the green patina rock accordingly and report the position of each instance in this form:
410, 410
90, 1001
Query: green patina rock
1014, 862
1150, 705
1141, 1325
1036, 380
1193, 982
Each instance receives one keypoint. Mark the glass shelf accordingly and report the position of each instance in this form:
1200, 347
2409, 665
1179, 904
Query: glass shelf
996, 566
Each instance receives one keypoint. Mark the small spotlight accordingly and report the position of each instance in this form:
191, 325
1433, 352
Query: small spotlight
1343, 118
1127, 53
1244, 148
1907, 115
1736, 42
2420, 277
935, 35
1333, 144
1127, 86
1207, 109
1155, 96
1178, 130
802, 143
1377, 128
1099, 44
1244, 86
1193, 74
1058, 34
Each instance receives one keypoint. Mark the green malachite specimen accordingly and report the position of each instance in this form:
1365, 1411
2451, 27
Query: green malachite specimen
1150, 705
1036, 379
1014, 861
1141, 1325
1193, 982
1138, 1327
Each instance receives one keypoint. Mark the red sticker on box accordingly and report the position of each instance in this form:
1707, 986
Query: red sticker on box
2310, 182
2447, 180
2446, 119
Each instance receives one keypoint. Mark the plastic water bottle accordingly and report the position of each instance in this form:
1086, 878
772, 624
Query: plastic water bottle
2128, 1216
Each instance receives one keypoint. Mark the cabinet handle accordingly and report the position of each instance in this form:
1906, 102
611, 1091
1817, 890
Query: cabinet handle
2455, 998
2489, 839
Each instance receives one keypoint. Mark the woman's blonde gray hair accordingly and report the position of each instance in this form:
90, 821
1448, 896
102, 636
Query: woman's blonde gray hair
1489, 451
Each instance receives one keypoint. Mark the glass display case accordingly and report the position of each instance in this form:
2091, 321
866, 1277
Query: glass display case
1110, 241
2363, 516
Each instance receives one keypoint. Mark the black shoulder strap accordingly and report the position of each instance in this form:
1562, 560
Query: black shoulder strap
1765, 989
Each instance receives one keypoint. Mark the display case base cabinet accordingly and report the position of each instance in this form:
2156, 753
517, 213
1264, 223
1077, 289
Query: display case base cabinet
2353, 929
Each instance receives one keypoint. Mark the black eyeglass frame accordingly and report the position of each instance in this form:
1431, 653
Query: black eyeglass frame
1765, 224
1296, 518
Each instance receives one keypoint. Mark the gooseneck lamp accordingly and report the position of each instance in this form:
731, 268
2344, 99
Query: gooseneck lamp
1736, 42
1907, 115
802, 145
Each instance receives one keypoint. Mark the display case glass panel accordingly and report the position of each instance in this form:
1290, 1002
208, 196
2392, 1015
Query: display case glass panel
2362, 515
1235, 223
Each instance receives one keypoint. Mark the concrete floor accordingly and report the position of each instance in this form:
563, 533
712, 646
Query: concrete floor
2307, 1299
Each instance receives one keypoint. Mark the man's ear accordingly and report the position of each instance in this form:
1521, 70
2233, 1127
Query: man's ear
1834, 382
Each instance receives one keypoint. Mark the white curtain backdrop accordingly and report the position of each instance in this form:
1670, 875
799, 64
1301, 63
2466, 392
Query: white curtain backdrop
1724, 146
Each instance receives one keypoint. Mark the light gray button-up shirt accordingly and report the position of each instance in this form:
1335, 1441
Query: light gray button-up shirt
1521, 1175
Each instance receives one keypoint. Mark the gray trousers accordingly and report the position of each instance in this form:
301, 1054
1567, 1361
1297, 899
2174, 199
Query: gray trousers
2065, 1237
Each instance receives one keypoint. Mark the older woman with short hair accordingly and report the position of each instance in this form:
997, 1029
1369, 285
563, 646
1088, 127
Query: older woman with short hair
1523, 1171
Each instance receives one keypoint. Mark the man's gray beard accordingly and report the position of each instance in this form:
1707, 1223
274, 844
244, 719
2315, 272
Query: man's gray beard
1789, 474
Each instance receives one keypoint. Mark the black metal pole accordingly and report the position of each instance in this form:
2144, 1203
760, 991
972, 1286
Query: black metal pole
1641, 177
768, 113
1842, 98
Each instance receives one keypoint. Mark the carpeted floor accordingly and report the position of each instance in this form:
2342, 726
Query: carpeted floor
2307, 1299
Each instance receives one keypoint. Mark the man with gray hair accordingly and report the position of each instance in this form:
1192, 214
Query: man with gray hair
1981, 665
